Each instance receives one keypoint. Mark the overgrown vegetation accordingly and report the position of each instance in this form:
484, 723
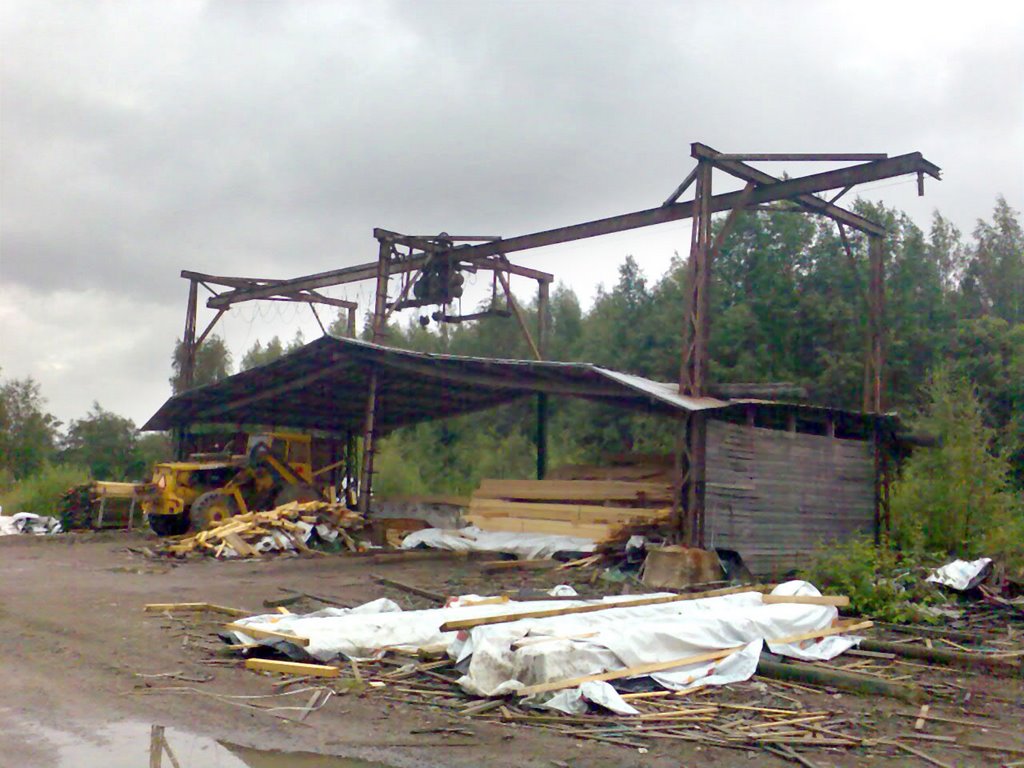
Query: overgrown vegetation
41, 491
881, 581
955, 497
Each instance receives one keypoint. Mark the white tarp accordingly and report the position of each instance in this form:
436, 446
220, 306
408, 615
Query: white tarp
27, 522
528, 546
962, 575
504, 658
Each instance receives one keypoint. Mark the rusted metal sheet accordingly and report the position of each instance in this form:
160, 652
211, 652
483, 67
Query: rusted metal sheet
775, 496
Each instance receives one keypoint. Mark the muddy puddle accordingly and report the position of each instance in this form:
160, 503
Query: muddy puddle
133, 745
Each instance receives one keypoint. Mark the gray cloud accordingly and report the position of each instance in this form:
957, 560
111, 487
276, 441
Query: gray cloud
267, 139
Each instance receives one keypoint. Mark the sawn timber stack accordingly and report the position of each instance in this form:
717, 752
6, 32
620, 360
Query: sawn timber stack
607, 511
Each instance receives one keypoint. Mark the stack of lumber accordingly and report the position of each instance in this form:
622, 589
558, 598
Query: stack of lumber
287, 527
98, 505
607, 511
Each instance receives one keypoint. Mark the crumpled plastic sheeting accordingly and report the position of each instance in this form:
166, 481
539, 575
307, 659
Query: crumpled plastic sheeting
615, 638
368, 631
27, 522
529, 546
962, 575
502, 658
574, 702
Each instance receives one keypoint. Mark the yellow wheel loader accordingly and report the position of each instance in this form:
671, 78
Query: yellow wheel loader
276, 468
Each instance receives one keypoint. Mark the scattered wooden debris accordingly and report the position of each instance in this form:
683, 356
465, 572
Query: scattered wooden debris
283, 528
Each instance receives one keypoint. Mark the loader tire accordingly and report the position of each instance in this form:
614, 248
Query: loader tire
168, 525
212, 509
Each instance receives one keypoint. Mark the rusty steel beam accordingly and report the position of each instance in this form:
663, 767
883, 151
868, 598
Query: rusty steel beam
765, 193
841, 157
807, 202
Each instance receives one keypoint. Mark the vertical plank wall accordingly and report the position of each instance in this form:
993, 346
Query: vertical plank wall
774, 496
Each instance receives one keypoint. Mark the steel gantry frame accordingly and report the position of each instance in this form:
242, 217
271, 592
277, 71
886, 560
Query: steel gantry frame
405, 254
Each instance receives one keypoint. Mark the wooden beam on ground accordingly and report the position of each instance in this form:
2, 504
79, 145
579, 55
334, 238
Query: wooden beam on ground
211, 607
291, 668
839, 601
991, 663
839, 629
451, 626
847, 681
411, 589
497, 566
267, 634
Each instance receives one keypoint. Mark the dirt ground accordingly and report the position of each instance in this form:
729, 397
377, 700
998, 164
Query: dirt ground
77, 647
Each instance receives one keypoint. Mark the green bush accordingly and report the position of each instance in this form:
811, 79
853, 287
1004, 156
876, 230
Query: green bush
41, 491
951, 497
880, 582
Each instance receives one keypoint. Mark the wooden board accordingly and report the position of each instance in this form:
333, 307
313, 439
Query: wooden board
291, 668
267, 634
585, 514
552, 527
618, 674
575, 490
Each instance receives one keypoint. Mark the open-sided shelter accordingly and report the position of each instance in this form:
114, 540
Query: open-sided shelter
780, 477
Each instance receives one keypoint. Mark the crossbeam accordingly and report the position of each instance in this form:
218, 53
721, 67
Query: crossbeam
786, 189
807, 202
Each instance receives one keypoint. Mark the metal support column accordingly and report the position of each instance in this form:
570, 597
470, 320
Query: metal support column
874, 400
542, 398
377, 332
693, 374
187, 363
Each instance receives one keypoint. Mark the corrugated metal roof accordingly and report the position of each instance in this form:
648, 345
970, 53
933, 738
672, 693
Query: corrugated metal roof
324, 385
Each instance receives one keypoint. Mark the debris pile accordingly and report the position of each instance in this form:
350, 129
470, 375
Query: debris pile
306, 527
759, 669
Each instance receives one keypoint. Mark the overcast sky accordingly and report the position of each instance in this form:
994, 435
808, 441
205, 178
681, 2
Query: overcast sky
267, 139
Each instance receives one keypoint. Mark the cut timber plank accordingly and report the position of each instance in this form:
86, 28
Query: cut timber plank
267, 634
213, 608
816, 633
238, 544
574, 490
451, 626
291, 668
836, 600
554, 527
574, 513
617, 674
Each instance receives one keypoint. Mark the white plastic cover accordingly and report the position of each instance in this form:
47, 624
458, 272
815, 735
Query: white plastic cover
528, 546
503, 658
28, 522
962, 575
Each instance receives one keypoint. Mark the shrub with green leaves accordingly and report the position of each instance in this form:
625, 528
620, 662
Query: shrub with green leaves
880, 582
952, 498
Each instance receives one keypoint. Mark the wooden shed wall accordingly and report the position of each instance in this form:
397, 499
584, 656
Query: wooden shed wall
773, 496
